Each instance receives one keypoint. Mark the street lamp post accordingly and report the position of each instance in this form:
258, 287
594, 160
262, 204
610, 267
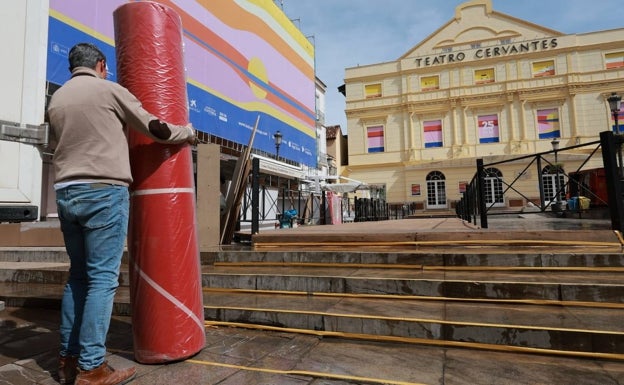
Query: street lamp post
277, 137
615, 101
555, 147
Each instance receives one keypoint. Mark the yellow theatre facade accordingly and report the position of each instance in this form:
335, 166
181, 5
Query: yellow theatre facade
484, 85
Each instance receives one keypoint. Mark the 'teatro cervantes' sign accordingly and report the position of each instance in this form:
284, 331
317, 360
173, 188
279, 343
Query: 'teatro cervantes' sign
482, 53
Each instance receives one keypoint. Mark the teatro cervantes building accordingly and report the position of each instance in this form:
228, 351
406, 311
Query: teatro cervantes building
484, 85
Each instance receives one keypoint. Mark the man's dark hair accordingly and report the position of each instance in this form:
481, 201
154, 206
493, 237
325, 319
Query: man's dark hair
84, 55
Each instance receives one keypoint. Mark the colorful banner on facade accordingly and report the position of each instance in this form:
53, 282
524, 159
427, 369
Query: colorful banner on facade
375, 136
428, 83
614, 60
548, 123
484, 76
372, 90
415, 190
543, 68
243, 58
488, 129
433, 133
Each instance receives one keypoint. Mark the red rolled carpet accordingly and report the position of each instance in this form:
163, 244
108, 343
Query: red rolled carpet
165, 276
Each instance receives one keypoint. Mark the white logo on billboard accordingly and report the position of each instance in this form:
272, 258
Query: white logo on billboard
193, 105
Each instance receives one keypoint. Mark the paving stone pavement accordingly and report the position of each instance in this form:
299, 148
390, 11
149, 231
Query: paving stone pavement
237, 356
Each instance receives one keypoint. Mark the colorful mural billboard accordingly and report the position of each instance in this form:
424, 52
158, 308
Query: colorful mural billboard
244, 59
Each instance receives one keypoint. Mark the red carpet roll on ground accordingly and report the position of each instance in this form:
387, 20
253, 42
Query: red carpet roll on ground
165, 275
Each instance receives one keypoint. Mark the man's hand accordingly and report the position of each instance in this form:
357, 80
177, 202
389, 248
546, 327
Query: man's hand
192, 140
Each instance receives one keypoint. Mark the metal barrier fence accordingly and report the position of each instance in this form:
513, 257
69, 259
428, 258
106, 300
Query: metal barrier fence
553, 189
370, 209
289, 208
268, 207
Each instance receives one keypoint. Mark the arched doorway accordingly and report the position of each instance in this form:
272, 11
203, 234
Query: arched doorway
436, 190
553, 180
493, 190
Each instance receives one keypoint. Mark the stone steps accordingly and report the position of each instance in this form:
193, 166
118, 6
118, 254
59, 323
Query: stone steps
599, 285
558, 303
591, 285
516, 256
584, 330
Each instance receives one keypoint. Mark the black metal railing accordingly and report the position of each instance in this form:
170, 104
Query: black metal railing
370, 209
475, 205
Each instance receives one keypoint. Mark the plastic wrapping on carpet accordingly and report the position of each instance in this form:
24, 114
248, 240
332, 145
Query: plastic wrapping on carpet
165, 281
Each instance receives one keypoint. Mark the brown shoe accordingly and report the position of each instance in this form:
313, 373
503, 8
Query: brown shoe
105, 375
68, 368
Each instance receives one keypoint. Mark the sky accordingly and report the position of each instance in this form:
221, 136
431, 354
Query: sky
348, 33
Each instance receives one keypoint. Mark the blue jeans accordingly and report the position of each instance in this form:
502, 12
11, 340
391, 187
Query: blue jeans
94, 221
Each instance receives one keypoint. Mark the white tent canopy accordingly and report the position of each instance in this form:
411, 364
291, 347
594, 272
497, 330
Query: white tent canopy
320, 181
342, 187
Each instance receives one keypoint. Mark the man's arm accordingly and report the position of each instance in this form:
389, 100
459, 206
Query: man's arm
162, 130
139, 119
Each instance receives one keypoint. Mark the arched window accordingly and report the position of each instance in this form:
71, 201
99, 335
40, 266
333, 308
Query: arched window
436, 190
553, 180
493, 187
